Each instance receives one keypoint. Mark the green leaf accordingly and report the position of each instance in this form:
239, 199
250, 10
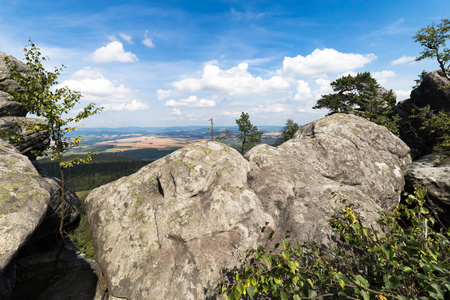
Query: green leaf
365, 295
240, 287
392, 283
286, 254
251, 291
284, 296
237, 294
297, 297
361, 281
312, 293
254, 281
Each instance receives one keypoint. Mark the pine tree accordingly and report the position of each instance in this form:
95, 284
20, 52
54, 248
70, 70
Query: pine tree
250, 135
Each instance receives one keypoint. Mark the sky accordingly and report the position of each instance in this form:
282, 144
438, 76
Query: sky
179, 63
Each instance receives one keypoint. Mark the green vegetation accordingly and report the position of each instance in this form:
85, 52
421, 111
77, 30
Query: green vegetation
434, 38
407, 259
288, 131
436, 124
54, 105
250, 135
360, 95
103, 169
81, 237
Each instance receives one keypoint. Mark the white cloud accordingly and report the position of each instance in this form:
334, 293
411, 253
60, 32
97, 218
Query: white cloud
303, 90
132, 106
402, 60
272, 108
147, 41
113, 52
192, 101
402, 94
96, 88
234, 114
383, 76
235, 81
324, 61
163, 94
175, 112
127, 38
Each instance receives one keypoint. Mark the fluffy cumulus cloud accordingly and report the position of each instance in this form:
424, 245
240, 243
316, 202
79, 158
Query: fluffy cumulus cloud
113, 52
192, 101
402, 94
403, 60
163, 94
303, 90
324, 61
234, 81
382, 77
96, 88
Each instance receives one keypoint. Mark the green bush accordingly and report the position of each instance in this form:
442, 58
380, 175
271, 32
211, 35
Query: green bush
407, 259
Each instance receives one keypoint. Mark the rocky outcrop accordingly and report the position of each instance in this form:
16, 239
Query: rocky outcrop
13, 122
434, 91
430, 172
23, 203
14, 128
167, 231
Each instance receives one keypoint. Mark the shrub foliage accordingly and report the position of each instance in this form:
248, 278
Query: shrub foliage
406, 259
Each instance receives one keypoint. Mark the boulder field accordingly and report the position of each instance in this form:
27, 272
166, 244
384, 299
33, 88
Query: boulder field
170, 230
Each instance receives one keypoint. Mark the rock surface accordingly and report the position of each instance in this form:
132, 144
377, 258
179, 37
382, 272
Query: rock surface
30, 140
47, 234
12, 114
428, 171
430, 92
167, 231
23, 203
9, 107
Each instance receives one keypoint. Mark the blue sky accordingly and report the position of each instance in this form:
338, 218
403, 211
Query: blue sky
175, 63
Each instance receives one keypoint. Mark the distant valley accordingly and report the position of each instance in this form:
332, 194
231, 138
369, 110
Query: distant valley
153, 140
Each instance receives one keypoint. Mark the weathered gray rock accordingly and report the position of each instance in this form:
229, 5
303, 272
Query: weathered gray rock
9, 107
434, 91
30, 140
431, 92
304, 180
23, 204
428, 171
167, 231
47, 234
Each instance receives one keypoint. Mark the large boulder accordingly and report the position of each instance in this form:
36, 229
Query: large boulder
337, 158
169, 230
429, 171
16, 131
23, 205
434, 91
12, 114
9, 107
166, 231
47, 234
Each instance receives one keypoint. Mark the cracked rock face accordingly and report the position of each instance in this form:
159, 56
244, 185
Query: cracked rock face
167, 231
430, 173
9, 107
23, 204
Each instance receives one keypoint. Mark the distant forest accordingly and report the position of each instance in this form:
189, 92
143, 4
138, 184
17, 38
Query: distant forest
106, 167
